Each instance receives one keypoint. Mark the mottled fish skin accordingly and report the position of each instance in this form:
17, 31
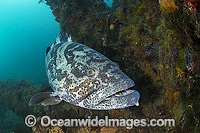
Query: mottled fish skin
84, 77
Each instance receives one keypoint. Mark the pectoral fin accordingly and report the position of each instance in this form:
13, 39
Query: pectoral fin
45, 99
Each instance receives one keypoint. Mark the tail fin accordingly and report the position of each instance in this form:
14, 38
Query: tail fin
45, 99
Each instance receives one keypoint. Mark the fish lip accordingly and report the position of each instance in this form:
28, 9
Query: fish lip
121, 102
101, 94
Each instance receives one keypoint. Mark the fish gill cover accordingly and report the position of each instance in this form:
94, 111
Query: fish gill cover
155, 42
84, 77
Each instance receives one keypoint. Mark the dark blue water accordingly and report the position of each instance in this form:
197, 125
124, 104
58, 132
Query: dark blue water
26, 29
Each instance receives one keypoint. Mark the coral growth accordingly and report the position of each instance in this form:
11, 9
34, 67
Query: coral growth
158, 49
168, 5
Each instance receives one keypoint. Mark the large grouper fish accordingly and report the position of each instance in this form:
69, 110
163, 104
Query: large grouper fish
82, 76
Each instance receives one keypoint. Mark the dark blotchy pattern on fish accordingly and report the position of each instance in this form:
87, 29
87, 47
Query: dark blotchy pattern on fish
82, 76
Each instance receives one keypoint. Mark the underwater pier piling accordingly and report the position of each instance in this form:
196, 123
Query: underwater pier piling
155, 42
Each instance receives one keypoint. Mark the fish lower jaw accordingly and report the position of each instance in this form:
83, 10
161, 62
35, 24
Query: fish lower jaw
120, 94
128, 98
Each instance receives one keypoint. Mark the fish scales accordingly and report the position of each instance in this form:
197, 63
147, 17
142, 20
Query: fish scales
86, 78
77, 55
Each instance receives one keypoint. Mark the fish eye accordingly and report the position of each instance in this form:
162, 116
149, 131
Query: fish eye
90, 72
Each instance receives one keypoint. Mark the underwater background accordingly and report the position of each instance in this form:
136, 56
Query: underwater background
154, 42
26, 29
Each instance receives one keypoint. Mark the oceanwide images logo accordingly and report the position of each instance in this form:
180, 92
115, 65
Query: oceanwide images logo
46, 121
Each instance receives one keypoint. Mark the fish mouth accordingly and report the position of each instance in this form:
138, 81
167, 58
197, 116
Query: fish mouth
119, 94
115, 96
118, 102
